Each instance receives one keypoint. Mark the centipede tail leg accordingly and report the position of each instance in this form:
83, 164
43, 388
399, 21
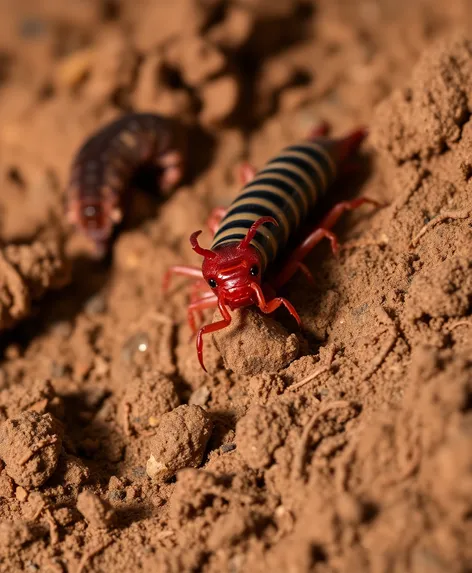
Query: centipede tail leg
321, 232
212, 328
183, 270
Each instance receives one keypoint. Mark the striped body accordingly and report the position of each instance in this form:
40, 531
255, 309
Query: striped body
287, 189
104, 166
107, 160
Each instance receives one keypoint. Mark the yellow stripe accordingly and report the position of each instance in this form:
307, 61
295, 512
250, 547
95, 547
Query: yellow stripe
326, 155
289, 181
278, 214
272, 189
316, 166
281, 164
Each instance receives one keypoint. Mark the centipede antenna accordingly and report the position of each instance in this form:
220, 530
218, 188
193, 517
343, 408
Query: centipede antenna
253, 230
198, 249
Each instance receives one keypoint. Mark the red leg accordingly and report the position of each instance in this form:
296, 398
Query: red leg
336, 212
172, 167
320, 130
180, 270
196, 290
271, 306
212, 328
215, 218
315, 237
247, 172
208, 300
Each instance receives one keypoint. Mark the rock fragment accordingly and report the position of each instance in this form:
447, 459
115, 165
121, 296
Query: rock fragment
30, 445
179, 442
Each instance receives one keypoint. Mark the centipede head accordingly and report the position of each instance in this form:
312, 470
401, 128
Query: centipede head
231, 269
92, 218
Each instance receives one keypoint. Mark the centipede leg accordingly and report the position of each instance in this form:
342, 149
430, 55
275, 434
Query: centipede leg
247, 172
171, 164
196, 290
319, 130
214, 219
208, 300
321, 232
274, 304
182, 270
212, 328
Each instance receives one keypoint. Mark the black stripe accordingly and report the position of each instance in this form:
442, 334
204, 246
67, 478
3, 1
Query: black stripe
317, 156
277, 200
285, 187
309, 169
298, 179
263, 211
245, 223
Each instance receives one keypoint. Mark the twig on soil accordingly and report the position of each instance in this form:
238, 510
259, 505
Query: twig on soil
300, 456
363, 243
389, 344
126, 424
310, 377
91, 554
316, 373
39, 446
460, 323
462, 214
53, 531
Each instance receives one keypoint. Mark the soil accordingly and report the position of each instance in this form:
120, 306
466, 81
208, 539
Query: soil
344, 447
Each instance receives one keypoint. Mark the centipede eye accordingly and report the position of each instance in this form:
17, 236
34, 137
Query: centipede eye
212, 283
254, 271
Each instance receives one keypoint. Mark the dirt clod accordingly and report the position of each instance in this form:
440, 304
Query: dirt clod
97, 511
30, 445
147, 398
179, 442
254, 343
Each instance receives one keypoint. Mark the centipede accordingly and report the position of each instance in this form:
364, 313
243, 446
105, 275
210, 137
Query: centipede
247, 263
105, 164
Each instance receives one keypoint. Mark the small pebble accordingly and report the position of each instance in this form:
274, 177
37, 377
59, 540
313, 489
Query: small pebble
225, 448
139, 342
95, 305
98, 513
21, 494
200, 396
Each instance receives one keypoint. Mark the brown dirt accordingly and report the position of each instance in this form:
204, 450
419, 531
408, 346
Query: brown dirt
347, 447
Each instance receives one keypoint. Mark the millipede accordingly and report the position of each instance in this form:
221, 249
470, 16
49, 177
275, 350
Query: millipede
245, 264
105, 164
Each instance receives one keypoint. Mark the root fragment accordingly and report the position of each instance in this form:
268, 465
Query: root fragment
452, 215
39, 446
300, 456
316, 373
389, 344
87, 557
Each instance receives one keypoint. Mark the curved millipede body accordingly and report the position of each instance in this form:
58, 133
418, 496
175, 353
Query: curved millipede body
251, 235
103, 167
